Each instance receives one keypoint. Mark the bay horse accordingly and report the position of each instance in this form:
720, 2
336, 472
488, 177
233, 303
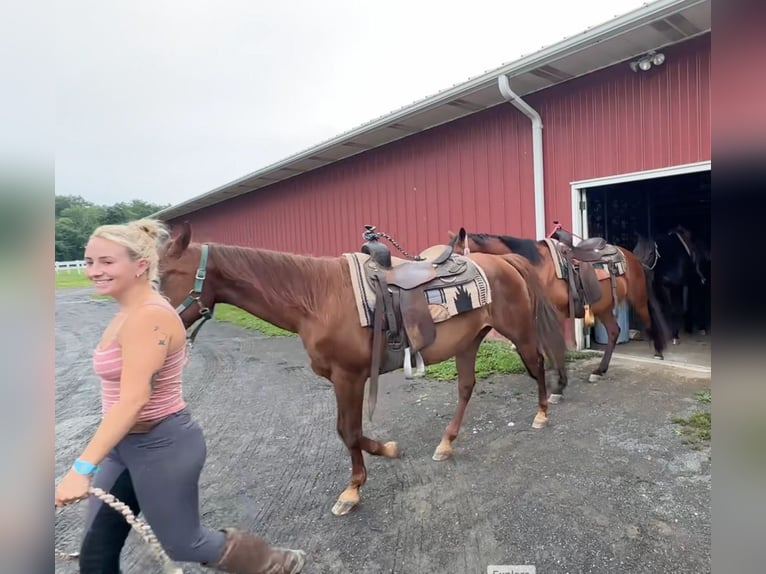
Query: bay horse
674, 263
633, 285
314, 297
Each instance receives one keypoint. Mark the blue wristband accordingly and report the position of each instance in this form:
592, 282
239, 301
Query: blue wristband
82, 467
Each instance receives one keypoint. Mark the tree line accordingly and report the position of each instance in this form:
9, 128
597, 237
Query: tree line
77, 218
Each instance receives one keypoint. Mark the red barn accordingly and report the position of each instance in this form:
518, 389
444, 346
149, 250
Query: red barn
607, 131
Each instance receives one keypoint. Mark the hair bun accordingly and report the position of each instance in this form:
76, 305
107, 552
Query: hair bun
152, 227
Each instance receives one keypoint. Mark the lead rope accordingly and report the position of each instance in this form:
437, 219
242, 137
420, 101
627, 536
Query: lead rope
138, 524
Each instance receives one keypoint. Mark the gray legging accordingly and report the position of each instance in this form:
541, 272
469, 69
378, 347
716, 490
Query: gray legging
156, 473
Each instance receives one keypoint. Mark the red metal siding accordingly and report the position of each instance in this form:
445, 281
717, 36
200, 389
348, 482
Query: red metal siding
477, 172
415, 189
617, 121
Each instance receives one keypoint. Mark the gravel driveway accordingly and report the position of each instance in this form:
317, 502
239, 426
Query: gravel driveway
608, 487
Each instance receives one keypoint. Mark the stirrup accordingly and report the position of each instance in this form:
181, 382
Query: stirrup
421, 366
407, 363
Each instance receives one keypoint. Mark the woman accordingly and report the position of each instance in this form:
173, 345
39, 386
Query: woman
147, 450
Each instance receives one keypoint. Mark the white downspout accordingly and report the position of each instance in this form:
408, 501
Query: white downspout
537, 150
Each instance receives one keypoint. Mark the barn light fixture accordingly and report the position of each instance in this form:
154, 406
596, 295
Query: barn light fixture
646, 62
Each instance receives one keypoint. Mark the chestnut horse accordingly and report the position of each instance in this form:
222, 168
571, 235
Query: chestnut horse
633, 285
314, 297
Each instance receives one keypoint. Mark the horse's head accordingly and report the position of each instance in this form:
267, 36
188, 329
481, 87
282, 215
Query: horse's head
458, 241
645, 251
185, 276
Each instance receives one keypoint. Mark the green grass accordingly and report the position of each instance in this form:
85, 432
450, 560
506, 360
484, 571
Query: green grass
696, 428
494, 357
231, 314
76, 278
72, 278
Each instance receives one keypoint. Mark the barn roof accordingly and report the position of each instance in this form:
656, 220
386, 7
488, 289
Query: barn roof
652, 26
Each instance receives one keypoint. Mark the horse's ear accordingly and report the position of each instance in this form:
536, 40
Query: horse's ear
181, 241
462, 233
185, 237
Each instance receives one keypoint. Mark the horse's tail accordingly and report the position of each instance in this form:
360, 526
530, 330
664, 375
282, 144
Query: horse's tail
659, 328
644, 262
550, 339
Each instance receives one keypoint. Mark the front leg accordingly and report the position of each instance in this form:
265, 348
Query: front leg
349, 395
466, 379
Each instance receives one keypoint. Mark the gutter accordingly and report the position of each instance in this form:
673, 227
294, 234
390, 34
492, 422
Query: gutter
537, 150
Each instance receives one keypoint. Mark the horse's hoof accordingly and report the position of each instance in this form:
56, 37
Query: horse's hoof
676, 341
343, 507
391, 450
541, 421
659, 356
555, 398
594, 378
441, 454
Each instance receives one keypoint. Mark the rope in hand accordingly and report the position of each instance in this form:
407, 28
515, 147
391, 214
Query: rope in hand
138, 524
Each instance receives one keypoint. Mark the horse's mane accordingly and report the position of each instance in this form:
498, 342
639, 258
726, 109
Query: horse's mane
299, 281
527, 248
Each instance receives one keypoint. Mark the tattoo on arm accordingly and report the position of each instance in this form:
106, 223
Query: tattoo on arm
163, 338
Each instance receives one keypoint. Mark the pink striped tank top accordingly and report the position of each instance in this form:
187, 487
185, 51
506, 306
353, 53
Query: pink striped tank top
167, 393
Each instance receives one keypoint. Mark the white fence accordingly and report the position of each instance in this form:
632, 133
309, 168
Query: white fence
69, 266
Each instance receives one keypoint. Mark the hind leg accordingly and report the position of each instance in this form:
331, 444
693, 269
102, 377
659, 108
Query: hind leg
651, 329
526, 347
557, 391
677, 312
613, 332
533, 358
672, 305
466, 380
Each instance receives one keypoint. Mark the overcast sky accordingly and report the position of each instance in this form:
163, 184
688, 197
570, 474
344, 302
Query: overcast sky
163, 100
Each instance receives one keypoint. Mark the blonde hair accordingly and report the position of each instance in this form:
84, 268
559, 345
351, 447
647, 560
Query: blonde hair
142, 238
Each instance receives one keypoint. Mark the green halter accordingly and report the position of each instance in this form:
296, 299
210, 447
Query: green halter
196, 293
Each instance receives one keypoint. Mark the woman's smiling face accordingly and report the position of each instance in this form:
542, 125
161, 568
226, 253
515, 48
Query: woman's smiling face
110, 267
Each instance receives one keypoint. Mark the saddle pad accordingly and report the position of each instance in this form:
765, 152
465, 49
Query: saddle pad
558, 263
443, 302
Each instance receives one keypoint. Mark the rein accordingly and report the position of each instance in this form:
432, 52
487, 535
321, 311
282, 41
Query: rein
691, 253
195, 295
656, 258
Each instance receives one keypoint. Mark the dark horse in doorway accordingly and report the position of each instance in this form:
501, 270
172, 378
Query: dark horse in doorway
678, 268
315, 297
631, 285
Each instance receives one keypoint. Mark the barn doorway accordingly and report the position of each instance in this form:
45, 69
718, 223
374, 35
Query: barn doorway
647, 203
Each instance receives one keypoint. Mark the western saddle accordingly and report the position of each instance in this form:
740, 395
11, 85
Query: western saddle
581, 260
590, 250
401, 313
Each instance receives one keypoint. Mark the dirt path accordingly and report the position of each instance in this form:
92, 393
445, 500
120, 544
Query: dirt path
608, 487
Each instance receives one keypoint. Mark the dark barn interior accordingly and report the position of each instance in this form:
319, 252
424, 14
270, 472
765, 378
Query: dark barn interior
649, 207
